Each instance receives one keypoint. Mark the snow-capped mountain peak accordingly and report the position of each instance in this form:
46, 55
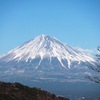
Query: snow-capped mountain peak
47, 47
45, 61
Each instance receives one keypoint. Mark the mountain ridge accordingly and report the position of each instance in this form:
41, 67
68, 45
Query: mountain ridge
45, 57
46, 46
48, 63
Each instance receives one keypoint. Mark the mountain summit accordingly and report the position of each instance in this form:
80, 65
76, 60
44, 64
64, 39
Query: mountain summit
43, 47
47, 63
45, 56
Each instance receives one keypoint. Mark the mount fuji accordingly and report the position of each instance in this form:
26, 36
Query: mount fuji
45, 58
47, 63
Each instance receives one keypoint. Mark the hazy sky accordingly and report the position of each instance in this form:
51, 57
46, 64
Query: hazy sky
74, 22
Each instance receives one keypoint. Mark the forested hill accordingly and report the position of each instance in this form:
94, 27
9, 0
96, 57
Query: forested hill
17, 91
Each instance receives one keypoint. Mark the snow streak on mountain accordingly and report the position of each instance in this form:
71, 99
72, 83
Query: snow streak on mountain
45, 55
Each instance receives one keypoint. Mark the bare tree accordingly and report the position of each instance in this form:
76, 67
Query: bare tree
98, 55
94, 77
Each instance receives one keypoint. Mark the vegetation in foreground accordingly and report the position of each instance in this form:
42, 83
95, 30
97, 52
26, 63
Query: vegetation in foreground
17, 91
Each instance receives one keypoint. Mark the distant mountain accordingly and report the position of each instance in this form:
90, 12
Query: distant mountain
17, 91
46, 58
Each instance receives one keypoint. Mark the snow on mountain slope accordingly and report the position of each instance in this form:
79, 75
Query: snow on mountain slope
50, 64
46, 58
47, 47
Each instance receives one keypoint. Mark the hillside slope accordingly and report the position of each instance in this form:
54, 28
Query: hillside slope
17, 91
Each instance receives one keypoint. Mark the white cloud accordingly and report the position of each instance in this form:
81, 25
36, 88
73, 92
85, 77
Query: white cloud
87, 51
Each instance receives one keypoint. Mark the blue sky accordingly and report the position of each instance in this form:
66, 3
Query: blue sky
75, 22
